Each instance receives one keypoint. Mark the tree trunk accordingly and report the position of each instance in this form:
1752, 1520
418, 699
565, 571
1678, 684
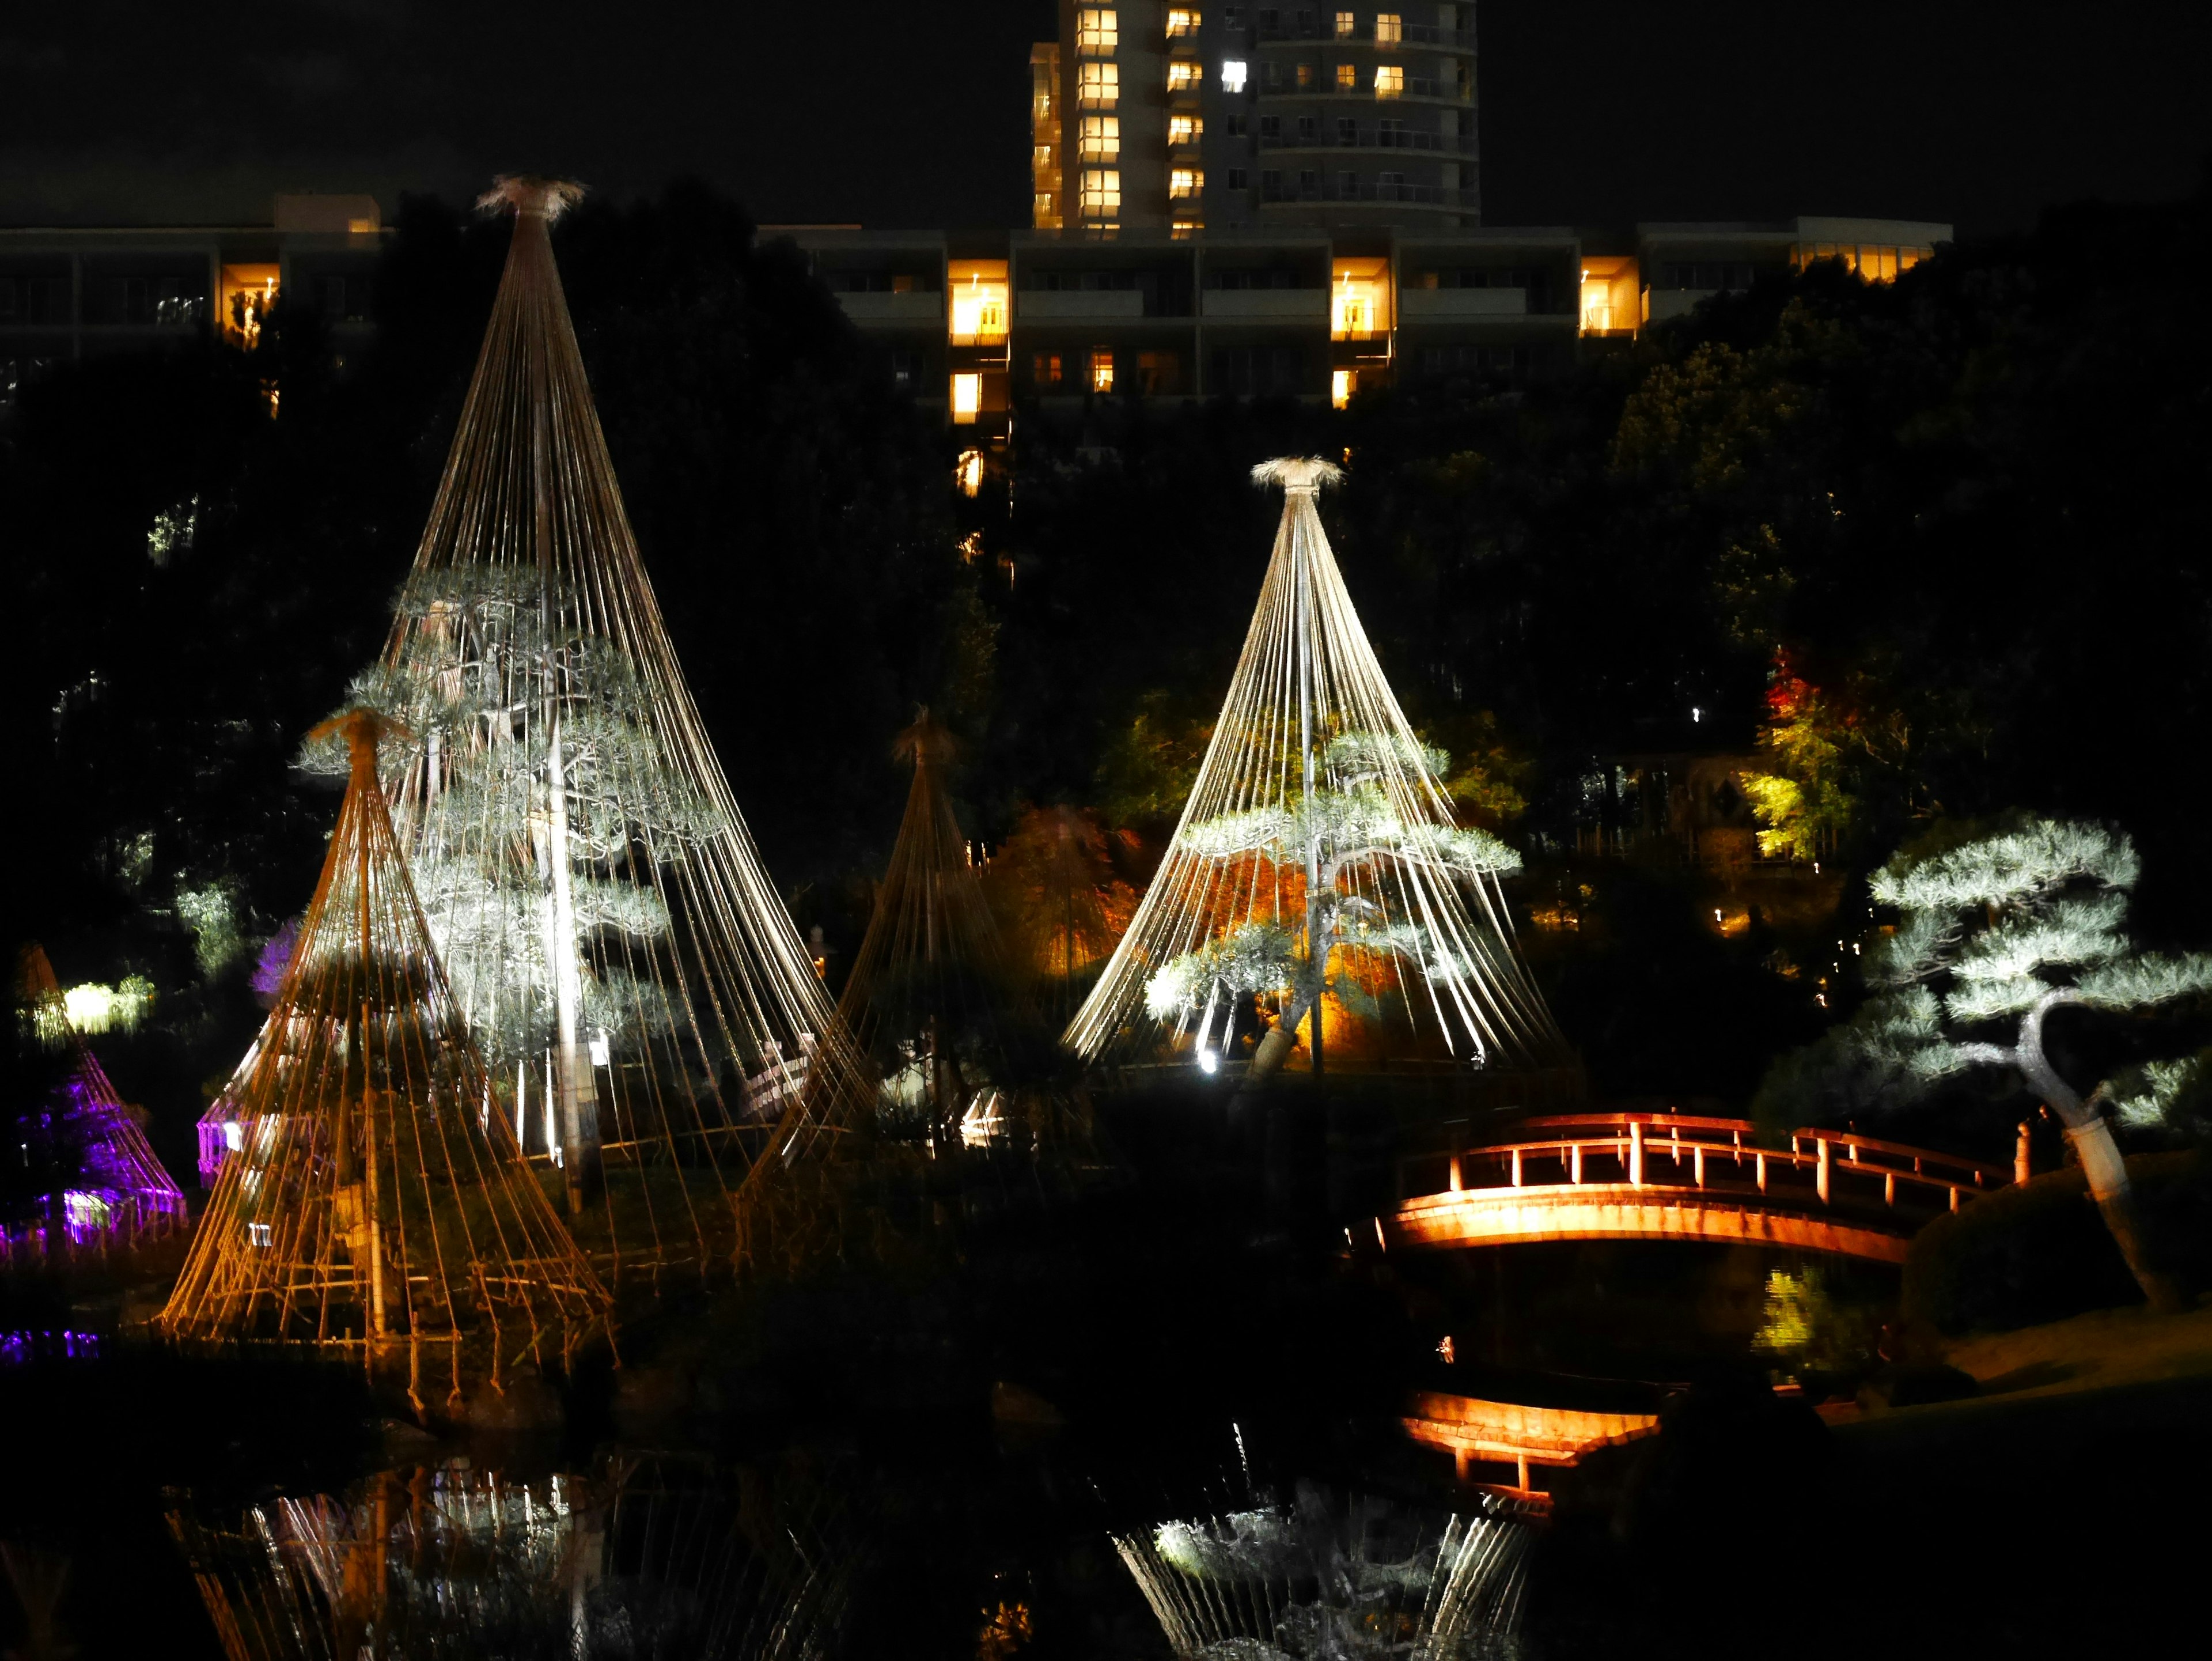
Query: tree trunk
2115, 1196
1275, 1048
573, 1066
2092, 1136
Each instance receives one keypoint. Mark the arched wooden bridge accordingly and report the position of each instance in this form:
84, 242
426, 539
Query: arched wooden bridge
1671, 1176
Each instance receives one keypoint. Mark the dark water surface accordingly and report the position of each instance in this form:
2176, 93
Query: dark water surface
1167, 1419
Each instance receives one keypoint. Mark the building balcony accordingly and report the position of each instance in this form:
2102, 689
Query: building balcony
1363, 34
925, 308
1374, 138
1079, 305
1447, 305
1265, 306
1426, 195
1413, 88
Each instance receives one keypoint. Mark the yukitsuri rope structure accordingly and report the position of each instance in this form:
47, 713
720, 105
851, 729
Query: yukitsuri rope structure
378, 1207
118, 1191
932, 999
1318, 854
649, 1015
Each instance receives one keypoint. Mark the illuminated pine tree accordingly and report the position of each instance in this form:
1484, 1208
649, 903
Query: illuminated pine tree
1318, 839
1335, 849
618, 951
1993, 937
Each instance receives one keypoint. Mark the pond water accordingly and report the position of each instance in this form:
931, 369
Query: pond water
1170, 1420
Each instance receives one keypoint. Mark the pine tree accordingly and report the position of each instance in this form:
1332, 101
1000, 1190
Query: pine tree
1995, 935
1326, 852
1318, 826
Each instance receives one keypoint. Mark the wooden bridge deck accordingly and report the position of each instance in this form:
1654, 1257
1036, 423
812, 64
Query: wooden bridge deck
1669, 1177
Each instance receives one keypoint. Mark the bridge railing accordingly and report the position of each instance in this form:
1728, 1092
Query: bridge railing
1686, 1152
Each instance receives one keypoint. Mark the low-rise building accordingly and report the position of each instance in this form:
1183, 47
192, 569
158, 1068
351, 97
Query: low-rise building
68, 293
976, 323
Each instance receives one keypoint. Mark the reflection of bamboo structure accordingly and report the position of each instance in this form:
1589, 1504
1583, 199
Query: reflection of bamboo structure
648, 1010
379, 1206
647, 1559
932, 1000
111, 1190
1315, 1578
1317, 828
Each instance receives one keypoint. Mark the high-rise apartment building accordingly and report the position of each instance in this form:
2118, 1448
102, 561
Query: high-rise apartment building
1184, 118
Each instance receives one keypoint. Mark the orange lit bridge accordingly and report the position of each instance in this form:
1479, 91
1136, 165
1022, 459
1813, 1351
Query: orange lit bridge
1669, 1177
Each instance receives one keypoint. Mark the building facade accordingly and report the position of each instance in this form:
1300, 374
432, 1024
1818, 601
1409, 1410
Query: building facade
72, 293
1152, 119
977, 324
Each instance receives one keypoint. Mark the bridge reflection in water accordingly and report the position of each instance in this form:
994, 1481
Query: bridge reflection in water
1673, 1177
1476, 1432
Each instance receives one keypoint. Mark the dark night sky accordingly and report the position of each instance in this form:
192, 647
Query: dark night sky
1595, 112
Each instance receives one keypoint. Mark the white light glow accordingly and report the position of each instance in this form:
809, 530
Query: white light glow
1232, 74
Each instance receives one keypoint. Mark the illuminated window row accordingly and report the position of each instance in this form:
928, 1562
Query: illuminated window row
1876, 262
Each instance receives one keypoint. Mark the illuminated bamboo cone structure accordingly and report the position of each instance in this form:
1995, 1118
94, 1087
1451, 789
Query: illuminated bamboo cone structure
932, 999
1318, 854
110, 1187
628, 969
378, 1207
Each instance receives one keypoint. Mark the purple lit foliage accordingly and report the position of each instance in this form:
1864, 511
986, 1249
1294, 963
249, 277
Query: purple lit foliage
276, 957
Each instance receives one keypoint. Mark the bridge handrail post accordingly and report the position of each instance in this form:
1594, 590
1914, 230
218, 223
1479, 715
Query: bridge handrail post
1825, 1150
1575, 1162
1636, 1153
1760, 1160
1455, 1180
1516, 1167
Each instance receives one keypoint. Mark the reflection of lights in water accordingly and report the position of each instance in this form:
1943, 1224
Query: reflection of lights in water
647, 1556
1354, 1579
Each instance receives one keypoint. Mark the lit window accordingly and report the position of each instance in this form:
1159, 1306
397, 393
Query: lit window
1044, 369
1389, 28
1181, 22
1101, 369
1182, 230
1359, 300
1098, 86
1232, 74
968, 472
258, 1234
979, 307
1305, 77
1185, 129
1185, 181
1097, 30
1101, 192
1342, 384
1182, 75
1347, 77
967, 396
1389, 80
1344, 25
1101, 139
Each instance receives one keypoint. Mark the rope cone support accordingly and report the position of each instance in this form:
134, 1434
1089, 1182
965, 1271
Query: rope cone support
1318, 854
118, 1192
378, 1206
932, 999
647, 1011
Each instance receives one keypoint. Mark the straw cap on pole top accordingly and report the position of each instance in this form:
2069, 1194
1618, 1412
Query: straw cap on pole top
363, 729
526, 194
1299, 476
